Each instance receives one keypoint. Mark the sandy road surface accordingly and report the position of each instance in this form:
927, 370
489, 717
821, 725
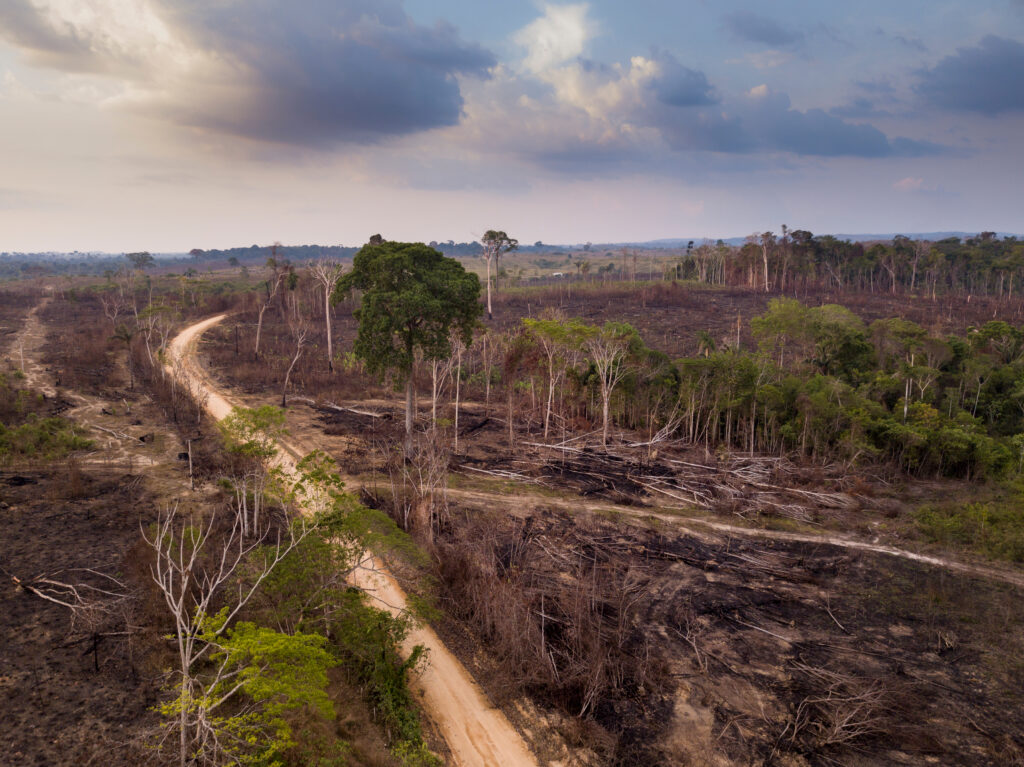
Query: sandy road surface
478, 734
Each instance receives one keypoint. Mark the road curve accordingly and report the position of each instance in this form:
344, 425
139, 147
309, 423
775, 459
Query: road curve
477, 733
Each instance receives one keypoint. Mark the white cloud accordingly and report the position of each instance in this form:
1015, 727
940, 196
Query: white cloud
556, 37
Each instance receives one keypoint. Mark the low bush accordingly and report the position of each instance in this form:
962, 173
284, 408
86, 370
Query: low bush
993, 528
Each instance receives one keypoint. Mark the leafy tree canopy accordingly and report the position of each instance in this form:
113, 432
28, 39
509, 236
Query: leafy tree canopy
414, 298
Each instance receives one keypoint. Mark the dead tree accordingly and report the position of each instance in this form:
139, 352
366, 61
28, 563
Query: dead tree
608, 349
327, 274
273, 286
97, 611
192, 566
299, 333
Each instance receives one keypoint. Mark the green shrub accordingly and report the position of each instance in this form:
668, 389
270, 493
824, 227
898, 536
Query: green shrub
994, 528
41, 438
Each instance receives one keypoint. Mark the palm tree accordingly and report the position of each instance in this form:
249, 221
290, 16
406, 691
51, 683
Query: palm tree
705, 343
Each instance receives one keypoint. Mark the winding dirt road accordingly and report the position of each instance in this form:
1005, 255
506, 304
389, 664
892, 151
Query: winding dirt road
478, 734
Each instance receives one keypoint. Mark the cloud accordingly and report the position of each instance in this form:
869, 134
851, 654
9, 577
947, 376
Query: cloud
752, 27
556, 37
988, 78
118, 37
680, 86
306, 72
765, 121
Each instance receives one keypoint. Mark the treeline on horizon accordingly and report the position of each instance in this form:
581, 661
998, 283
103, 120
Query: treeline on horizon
798, 260
793, 261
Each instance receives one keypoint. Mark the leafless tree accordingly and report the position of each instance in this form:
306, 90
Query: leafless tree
113, 306
327, 274
193, 564
299, 334
274, 282
608, 349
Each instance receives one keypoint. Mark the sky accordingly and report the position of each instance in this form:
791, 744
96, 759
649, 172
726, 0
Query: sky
166, 125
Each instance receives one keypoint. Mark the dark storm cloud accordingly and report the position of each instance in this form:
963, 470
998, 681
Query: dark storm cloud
750, 26
767, 123
321, 72
988, 78
300, 72
680, 86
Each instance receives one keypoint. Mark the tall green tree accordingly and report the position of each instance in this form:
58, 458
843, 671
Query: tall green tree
413, 299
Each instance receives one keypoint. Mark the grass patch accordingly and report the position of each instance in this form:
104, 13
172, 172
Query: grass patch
993, 528
26, 432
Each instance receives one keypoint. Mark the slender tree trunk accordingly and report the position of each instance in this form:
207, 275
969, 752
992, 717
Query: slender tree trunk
490, 315
327, 321
288, 375
551, 397
433, 393
458, 376
511, 430
605, 397
259, 330
487, 376
410, 404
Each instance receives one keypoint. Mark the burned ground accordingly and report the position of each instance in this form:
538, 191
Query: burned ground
734, 651
700, 648
76, 692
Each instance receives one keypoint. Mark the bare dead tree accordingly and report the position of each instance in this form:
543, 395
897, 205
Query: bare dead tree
327, 274
99, 609
193, 564
299, 334
273, 285
607, 349
113, 306
441, 371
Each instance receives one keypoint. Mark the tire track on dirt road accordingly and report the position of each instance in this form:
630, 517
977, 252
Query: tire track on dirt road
478, 734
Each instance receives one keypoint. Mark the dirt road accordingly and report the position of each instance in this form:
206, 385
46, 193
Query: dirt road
478, 734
